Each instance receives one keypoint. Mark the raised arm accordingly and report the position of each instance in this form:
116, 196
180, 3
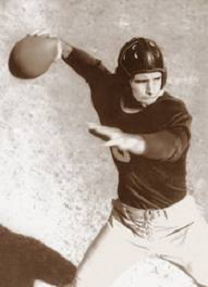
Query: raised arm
90, 68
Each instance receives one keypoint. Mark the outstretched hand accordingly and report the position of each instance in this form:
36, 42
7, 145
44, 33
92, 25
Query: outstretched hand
115, 137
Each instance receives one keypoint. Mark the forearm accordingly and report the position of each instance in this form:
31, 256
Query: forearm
162, 145
72, 55
90, 68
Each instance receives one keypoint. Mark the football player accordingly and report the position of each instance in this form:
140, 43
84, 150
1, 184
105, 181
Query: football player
148, 131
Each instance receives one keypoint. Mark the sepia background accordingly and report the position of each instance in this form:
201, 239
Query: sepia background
56, 181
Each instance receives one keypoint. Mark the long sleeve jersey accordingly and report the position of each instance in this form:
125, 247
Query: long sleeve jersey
157, 178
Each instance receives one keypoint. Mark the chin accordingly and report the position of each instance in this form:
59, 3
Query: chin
149, 102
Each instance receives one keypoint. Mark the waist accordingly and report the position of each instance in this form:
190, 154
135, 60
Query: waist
149, 194
185, 209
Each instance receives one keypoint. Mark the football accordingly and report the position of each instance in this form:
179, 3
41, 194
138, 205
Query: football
32, 56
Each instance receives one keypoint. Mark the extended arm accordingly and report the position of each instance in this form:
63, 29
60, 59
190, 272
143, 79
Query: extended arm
163, 145
84, 64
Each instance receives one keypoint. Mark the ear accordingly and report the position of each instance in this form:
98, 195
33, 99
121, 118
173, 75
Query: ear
164, 77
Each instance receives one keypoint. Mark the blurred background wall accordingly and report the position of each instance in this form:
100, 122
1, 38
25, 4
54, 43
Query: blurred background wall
56, 181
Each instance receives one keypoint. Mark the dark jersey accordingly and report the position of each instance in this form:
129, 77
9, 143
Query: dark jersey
24, 259
156, 179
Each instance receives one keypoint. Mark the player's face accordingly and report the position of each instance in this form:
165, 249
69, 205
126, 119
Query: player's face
146, 87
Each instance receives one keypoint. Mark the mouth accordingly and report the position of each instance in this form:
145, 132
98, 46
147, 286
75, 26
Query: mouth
148, 100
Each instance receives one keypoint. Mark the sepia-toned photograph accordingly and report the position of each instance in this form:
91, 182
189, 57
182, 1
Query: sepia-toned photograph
103, 150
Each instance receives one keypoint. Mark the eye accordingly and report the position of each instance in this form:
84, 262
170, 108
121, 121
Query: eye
157, 79
141, 81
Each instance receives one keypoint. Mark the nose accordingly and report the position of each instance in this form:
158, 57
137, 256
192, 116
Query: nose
149, 88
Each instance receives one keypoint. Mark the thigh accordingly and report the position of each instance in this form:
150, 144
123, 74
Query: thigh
111, 253
191, 252
197, 251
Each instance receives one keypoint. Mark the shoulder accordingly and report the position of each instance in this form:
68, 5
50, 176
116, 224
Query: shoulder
169, 108
168, 112
171, 104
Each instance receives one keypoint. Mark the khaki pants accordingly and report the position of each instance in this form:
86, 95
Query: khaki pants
177, 234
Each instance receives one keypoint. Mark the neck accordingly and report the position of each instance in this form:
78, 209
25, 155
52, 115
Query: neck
129, 110
133, 106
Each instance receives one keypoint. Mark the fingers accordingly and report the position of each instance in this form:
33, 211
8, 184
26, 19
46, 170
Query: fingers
112, 136
42, 32
110, 132
39, 32
91, 126
127, 143
119, 142
115, 137
59, 51
123, 143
